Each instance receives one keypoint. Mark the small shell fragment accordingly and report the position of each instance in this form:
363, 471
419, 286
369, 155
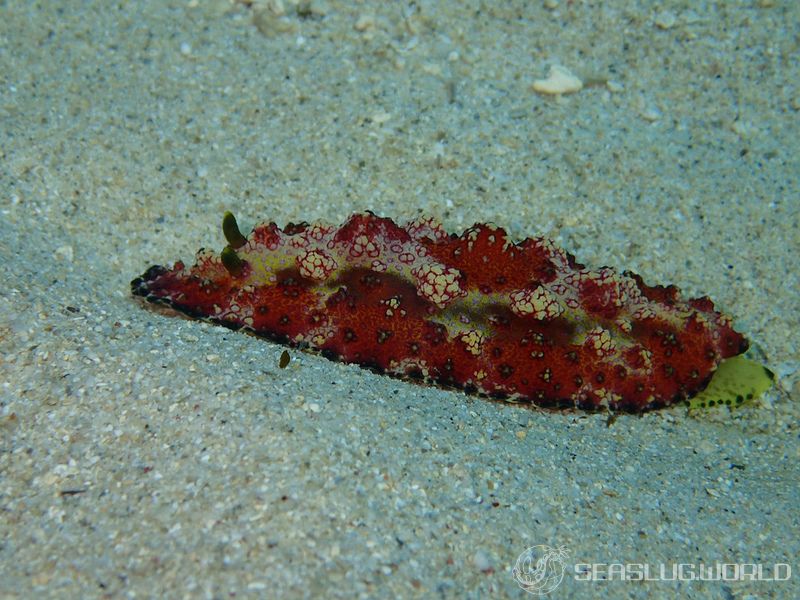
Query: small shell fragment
560, 80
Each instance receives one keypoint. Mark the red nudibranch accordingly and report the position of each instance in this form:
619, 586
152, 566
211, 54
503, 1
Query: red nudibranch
522, 321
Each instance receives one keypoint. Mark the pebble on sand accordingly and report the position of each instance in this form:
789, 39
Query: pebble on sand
560, 80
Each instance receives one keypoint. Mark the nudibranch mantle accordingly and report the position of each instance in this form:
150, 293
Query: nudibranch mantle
477, 311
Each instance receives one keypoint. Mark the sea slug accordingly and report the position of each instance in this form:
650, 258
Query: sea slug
521, 321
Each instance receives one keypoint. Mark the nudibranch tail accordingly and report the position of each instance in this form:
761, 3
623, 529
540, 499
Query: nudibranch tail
738, 381
477, 311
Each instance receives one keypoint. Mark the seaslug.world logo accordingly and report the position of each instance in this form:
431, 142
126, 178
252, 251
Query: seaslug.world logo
540, 569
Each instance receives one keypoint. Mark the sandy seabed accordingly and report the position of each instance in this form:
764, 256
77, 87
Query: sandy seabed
144, 455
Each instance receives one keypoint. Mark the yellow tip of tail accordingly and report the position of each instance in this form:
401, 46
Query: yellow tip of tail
736, 382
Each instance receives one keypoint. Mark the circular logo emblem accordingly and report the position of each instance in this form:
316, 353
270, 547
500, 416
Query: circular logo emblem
540, 569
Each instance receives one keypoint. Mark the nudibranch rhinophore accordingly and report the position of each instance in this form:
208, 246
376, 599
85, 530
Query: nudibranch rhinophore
522, 321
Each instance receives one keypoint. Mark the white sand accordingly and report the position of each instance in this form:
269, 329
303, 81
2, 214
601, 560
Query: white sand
146, 455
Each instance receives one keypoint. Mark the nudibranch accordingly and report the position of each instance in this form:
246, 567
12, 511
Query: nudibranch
521, 321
